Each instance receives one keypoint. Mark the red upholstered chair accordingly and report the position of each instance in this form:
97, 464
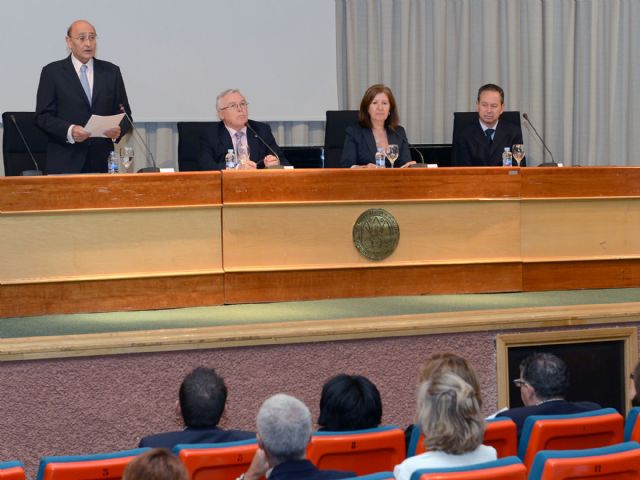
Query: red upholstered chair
360, 451
632, 426
508, 468
14, 471
501, 434
598, 428
102, 466
217, 461
616, 462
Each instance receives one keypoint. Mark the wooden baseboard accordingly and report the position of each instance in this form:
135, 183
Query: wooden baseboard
574, 275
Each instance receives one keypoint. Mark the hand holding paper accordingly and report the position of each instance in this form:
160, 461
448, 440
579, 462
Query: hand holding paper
101, 126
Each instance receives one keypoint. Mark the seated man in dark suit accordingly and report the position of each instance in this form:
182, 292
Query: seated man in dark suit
543, 383
481, 144
284, 430
202, 399
70, 91
234, 132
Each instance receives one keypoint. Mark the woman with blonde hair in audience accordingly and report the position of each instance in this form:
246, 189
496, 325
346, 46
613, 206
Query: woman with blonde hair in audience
450, 362
450, 417
155, 464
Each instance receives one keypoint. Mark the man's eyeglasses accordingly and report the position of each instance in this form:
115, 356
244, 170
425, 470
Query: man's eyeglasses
236, 106
519, 383
84, 38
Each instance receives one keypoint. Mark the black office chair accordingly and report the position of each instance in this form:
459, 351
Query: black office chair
189, 145
304, 157
337, 122
15, 154
462, 119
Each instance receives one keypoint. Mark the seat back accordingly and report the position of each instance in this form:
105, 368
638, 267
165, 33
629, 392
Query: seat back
616, 462
598, 428
103, 466
304, 157
189, 144
376, 476
632, 426
336, 124
360, 451
15, 154
217, 461
508, 468
14, 470
500, 433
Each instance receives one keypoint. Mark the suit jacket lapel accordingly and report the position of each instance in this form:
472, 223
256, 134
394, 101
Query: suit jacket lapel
371, 142
74, 79
224, 138
98, 81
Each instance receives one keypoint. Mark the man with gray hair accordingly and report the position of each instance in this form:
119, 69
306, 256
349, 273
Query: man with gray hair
284, 430
543, 384
236, 132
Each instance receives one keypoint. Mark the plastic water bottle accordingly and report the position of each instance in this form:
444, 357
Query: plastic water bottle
113, 163
380, 158
507, 158
230, 160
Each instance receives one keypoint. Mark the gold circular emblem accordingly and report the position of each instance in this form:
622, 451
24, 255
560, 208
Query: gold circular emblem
376, 234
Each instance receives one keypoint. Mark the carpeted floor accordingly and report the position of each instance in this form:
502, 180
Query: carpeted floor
297, 311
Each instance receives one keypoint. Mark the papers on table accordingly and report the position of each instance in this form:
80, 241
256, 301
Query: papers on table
98, 124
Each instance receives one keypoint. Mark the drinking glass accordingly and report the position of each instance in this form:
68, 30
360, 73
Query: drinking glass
392, 153
126, 153
517, 151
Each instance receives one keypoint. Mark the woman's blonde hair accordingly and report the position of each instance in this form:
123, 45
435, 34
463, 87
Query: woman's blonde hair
449, 414
450, 362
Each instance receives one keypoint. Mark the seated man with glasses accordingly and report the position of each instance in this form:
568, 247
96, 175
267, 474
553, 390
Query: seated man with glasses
252, 142
543, 384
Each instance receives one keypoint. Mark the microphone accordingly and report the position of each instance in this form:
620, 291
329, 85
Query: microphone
415, 165
255, 134
152, 169
552, 163
27, 173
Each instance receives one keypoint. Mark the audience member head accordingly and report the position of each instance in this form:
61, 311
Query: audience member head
232, 108
490, 104
634, 388
543, 376
450, 362
156, 464
449, 414
203, 396
284, 428
349, 402
378, 105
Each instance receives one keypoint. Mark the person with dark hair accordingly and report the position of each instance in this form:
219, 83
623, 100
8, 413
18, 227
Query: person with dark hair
202, 399
543, 384
481, 144
349, 402
377, 127
284, 430
634, 387
156, 464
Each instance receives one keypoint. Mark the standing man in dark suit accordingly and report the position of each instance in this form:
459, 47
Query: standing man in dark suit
481, 144
70, 91
235, 130
202, 399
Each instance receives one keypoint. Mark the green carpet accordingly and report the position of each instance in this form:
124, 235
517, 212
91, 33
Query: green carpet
297, 311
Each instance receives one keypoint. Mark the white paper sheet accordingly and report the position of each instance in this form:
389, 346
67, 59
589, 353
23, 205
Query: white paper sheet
98, 124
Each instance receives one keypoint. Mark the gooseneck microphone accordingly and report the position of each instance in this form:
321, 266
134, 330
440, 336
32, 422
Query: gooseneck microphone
552, 163
27, 173
148, 155
255, 134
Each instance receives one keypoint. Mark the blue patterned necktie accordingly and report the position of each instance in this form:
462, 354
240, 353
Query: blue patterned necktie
489, 133
84, 80
238, 136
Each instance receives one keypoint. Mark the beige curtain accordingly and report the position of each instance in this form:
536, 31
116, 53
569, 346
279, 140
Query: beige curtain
573, 65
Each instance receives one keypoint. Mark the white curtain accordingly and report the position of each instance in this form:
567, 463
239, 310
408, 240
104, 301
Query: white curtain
573, 65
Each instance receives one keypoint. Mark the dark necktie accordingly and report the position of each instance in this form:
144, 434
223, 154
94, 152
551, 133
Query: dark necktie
489, 133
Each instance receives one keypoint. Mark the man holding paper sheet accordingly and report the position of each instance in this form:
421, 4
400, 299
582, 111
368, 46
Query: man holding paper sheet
69, 93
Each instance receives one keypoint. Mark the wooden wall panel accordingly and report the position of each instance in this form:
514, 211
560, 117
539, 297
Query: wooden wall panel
574, 275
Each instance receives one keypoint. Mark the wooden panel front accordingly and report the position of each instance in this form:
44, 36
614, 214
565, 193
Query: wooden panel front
578, 274
554, 182
308, 236
70, 192
111, 295
251, 287
369, 184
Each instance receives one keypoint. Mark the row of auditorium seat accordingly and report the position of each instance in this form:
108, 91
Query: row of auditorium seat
551, 448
